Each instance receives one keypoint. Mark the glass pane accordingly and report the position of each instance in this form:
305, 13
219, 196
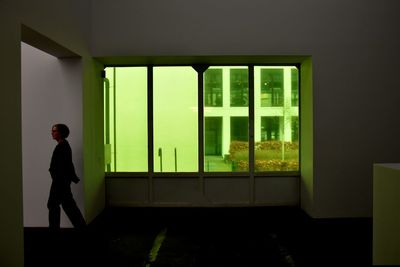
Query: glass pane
175, 119
226, 124
276, 124
127, 119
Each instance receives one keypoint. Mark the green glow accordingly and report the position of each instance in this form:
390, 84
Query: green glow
226, 119
276, 121
128, 118
175, 119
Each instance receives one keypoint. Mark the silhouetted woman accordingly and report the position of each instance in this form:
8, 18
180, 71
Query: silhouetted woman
62, 172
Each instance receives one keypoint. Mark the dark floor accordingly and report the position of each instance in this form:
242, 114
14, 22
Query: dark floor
174, 237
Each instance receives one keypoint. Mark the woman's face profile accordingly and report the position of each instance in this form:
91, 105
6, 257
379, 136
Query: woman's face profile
55, 133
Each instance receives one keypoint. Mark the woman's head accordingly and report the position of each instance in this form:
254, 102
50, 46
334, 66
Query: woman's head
61, 129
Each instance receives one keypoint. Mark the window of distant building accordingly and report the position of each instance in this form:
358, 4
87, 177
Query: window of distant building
213, 88
239, 87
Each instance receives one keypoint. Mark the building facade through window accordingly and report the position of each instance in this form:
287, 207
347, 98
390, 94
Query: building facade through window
228, 96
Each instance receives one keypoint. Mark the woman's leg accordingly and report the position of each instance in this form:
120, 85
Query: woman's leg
53, 204
74, 214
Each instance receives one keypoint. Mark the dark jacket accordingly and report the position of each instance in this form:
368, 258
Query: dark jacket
61, 165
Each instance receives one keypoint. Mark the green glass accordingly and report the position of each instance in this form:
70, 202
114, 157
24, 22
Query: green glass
226, 120
128, 119
276, 122
175, 119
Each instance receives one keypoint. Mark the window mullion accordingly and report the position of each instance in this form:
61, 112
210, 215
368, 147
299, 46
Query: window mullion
150, 135
251, 135
150, 127
115, 117
251, 119
201, 122
107, 115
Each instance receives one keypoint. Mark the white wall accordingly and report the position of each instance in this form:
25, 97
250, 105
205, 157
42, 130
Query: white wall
355, 52
51, 93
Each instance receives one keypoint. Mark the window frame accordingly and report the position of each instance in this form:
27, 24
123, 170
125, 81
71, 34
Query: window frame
201, 68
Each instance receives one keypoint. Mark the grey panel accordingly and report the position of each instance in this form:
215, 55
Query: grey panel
127, 192
177, 191
277, 190
227, 190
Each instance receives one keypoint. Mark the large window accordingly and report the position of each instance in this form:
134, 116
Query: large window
241, 105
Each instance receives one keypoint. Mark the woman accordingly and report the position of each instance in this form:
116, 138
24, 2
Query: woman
62, 172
